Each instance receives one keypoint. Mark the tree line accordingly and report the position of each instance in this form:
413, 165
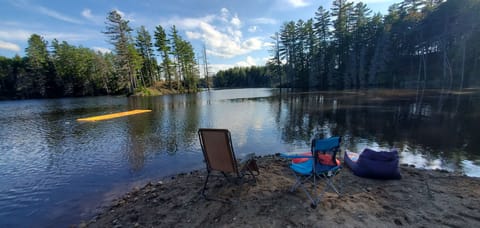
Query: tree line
418, 44
426, 43
236, 77
59, 69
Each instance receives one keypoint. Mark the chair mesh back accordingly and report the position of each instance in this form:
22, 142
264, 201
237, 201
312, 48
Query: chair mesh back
217, 149
326, 146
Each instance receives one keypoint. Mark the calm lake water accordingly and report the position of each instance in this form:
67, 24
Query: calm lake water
54, 171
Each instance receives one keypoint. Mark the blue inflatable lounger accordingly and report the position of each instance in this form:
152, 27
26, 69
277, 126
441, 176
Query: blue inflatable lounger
373, 164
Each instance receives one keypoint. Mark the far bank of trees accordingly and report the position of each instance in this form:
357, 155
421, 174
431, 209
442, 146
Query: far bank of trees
418, 44
237, 77
59, 69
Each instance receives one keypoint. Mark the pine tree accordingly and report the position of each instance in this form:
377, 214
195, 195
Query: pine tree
161, 43
35, 82
145, 49
119, 33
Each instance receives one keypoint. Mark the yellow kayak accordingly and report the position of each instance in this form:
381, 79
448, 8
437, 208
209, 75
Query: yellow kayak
114, 115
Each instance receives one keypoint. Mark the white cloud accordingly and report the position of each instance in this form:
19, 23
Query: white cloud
252, 28
189, 23
87, 14
57, 15
250, 61
268, 44
9, 46
16, 34
264, 20
224, 14
193, 35
236, 21
23, 35
254, 43
214, 68
44, 10
298, 3
220, 33
102, 49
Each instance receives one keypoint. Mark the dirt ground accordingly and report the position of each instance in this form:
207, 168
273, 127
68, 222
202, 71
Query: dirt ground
422, 198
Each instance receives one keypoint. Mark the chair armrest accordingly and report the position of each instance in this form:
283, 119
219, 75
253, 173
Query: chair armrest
294, 155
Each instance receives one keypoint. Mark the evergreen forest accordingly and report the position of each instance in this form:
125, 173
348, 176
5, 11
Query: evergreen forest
417, 44
59, 69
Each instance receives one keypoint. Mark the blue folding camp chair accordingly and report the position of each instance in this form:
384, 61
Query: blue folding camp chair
321, 163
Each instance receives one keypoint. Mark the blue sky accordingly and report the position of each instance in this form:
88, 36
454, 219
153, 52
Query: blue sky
235, 32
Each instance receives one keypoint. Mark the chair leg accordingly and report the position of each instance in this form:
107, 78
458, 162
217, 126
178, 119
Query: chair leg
330, 183
205, 186
298, 182
314, 202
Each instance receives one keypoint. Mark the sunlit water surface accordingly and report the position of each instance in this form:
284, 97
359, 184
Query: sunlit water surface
56, 171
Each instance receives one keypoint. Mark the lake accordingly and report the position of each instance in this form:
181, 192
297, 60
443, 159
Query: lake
56, 171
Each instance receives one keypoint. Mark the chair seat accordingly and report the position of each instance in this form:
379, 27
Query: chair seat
305, 168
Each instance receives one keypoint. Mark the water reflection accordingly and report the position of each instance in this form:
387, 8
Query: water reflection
50, 162
380, 119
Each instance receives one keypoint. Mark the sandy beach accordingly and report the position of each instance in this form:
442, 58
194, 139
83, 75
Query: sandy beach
422, 198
